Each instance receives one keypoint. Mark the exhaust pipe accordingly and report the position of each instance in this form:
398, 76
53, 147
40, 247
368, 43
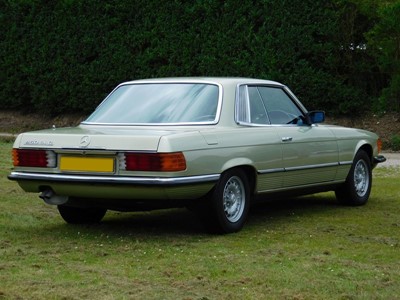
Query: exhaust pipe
52, 198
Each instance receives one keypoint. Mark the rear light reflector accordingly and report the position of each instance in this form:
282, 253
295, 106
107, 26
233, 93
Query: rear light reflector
33, 158
158, 162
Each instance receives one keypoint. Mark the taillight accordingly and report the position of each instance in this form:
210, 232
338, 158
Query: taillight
379, 145
33, 158
158, 162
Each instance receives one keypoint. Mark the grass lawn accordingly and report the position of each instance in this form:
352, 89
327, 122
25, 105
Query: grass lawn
305, 248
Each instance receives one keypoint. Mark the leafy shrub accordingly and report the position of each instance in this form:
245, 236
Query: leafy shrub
395, 142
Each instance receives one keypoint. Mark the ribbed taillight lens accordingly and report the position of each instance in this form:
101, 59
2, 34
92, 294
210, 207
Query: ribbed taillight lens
33, 158
158, 162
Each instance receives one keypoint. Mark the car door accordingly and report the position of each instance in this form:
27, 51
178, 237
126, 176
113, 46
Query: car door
264, 147
309, 152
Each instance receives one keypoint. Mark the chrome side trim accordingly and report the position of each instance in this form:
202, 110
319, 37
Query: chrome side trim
291, 188
344, 163
318, 166
270, 171
114, 179
299, 168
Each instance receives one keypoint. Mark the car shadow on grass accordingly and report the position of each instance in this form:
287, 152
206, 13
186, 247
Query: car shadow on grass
282, 206
160, 223
271, 211
174, 221
181, 221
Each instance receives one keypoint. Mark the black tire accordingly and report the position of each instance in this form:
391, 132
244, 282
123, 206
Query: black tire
81, 215
230, 202
357, 188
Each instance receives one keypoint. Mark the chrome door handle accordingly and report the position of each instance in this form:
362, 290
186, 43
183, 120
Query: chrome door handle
287, 139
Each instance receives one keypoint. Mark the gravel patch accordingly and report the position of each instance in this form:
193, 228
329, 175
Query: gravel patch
392, 160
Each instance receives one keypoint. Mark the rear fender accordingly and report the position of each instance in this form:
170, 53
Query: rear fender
237, 162
246, 165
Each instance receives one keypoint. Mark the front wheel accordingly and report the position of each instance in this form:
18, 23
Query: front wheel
230, 202
357, 188
81, 215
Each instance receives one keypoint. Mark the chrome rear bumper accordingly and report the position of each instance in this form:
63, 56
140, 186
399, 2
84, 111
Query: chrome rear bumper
115, 180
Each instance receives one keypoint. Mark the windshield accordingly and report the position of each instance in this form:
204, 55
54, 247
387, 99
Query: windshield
159, 103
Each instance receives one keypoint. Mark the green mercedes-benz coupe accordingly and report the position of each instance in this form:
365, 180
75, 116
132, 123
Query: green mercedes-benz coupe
212, 144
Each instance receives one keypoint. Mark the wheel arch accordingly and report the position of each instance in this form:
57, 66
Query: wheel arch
250, 171
366, 147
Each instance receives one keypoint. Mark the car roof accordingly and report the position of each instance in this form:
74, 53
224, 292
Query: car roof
218, 80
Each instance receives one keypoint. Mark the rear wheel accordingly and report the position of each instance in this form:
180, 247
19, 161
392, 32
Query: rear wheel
81, 215
230, 202
357, 188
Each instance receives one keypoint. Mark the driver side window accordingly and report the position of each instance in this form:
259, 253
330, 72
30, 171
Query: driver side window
280, 107
271, 105
266, 105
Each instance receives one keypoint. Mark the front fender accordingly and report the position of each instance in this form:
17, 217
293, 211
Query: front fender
366, 146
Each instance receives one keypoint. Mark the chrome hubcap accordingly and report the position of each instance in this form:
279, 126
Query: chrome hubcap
234, 199
361, 178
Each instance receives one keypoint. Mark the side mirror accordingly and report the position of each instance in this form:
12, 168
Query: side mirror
316, 116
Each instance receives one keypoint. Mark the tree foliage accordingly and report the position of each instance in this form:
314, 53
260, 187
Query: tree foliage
384, 38
66, 55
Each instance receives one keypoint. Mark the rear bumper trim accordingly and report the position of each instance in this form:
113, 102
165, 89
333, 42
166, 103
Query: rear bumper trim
117, 180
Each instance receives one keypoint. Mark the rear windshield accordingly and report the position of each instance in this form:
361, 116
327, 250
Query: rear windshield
159, 103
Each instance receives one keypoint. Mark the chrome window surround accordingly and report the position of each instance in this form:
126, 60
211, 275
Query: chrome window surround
214, 122
240, 106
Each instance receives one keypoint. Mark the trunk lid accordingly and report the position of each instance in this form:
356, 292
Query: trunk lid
98, 138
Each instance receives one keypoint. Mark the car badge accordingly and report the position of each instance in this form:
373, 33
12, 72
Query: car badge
85, 141
38, 143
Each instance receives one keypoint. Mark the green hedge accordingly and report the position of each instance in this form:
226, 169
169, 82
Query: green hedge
65, 56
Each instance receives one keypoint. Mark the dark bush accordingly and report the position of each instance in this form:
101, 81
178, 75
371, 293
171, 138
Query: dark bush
65, 56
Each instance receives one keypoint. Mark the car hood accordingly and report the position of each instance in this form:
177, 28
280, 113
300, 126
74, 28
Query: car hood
101, 138
347, 132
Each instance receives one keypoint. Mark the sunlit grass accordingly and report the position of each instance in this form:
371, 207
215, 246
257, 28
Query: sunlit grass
305, 248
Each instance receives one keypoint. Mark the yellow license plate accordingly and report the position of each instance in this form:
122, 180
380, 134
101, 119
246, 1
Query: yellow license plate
87, 164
